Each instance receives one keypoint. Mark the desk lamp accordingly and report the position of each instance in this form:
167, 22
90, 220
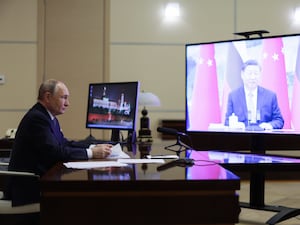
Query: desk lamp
146, 99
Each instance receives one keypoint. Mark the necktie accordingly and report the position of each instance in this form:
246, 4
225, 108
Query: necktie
251, 108
56, 129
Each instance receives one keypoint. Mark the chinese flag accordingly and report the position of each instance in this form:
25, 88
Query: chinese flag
274, 75
205, 106
295, 111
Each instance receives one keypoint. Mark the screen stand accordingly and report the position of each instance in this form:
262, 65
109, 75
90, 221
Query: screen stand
257, 189
115, 135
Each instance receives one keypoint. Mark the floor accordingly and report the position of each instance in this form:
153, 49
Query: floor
277, 193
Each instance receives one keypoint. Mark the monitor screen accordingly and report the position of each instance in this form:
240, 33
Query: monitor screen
244, 85
112, 106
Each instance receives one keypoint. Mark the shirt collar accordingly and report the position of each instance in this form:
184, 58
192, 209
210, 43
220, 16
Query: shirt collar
50, 114
247, 91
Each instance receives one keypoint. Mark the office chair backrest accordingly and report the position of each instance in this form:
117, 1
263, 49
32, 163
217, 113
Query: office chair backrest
25, 214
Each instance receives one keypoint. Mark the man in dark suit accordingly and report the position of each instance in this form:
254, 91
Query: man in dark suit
252, 104
39, 143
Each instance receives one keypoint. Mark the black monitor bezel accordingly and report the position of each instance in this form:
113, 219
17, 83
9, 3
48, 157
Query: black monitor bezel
135, 117
239, 140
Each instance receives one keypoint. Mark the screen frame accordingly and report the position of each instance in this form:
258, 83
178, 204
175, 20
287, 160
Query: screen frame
114, 128
235, 139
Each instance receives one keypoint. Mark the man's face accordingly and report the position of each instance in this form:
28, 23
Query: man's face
251, 76
59, 101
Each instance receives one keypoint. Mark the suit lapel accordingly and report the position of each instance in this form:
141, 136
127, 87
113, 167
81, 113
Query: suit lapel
243, 102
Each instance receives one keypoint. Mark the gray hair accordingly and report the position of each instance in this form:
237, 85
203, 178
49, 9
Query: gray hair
47, 86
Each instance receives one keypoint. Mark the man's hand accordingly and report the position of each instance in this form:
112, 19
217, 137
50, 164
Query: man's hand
266, 126
101, 151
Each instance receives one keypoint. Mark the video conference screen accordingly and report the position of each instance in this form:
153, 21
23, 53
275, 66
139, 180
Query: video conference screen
244, 85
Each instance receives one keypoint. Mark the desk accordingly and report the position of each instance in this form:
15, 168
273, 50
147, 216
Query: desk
257, 165
138, 194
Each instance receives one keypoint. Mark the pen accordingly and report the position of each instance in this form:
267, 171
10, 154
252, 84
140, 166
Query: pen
162, 157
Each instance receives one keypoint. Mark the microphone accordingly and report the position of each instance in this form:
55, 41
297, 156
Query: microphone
181, 145
170, 131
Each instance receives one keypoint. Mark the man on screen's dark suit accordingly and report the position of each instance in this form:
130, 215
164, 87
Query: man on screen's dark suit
253, 104
266, 104
39, 143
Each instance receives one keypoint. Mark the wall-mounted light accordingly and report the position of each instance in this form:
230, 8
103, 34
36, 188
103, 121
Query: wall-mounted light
172, 11
297, 15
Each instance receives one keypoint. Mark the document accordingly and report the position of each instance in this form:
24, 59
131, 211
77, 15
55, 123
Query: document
135, 161
117, 153
93, 164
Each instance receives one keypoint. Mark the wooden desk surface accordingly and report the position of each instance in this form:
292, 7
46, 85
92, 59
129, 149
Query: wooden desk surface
138, 194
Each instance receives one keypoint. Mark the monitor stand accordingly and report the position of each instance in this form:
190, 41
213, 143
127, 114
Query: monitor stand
115, 135
257, 189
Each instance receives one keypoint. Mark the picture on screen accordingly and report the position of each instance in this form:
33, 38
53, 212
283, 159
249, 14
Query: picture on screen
112, 105
244, 85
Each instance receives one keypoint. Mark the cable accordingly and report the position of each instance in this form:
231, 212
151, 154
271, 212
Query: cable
210, 163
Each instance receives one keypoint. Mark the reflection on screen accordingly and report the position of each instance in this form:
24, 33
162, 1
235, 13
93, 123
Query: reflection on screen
206, 169
243, 158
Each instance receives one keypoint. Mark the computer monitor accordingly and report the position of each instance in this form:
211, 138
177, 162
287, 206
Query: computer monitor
114, 106
216, 102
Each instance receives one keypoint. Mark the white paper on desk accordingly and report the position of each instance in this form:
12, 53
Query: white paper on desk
117, 153
134, 161
93, 164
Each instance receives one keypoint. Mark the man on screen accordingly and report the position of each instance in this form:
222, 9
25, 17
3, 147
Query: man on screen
254, 105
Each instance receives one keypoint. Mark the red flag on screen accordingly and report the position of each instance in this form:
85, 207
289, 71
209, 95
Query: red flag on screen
274, 75
205, 106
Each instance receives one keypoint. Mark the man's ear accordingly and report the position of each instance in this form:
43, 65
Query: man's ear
47, 96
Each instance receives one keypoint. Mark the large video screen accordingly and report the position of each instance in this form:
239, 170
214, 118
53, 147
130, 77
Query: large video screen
244, 85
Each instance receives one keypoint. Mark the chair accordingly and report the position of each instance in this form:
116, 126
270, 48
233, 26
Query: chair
17, 215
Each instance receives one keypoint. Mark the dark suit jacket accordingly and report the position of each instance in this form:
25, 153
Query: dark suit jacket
266, 103
38, 146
